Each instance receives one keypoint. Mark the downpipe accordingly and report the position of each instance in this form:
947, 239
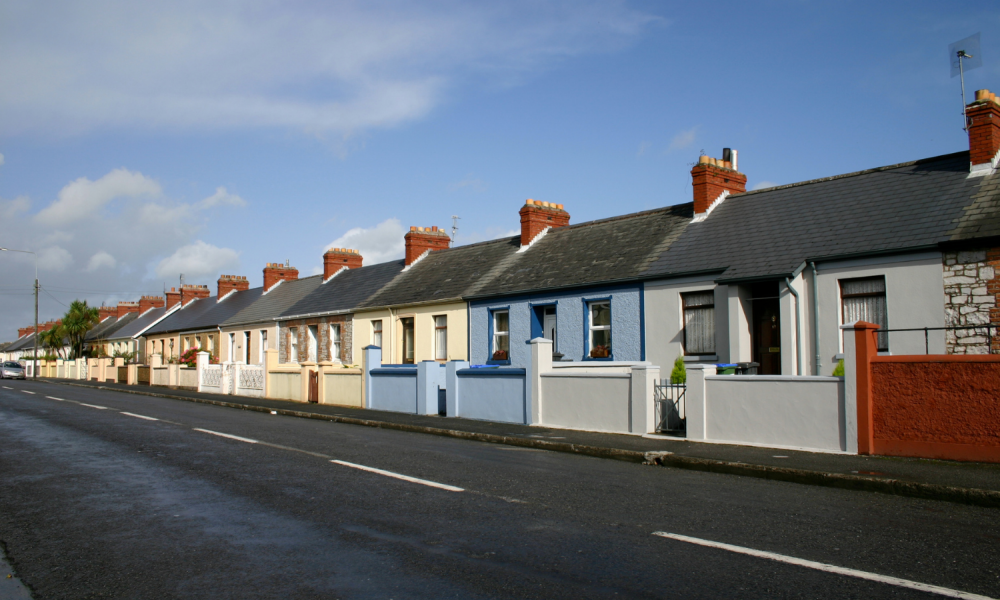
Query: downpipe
815, 319
798, 320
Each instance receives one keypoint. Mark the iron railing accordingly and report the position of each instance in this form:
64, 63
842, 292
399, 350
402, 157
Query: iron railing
991, 332
670, 416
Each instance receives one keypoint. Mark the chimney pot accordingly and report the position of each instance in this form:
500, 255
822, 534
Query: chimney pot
712, 177
422, 239
275, 272
983, 123
336, 258
537, 216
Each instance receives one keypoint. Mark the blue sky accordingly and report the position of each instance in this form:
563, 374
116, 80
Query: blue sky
140, 142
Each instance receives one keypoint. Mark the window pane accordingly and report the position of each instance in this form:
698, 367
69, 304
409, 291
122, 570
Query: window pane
692, 299
872, 285
441, 343
871, 309
501, 342
601, 337
441, 321
699, 330
502, 321
600, 314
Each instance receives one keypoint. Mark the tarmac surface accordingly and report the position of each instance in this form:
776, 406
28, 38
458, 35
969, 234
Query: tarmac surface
114, 495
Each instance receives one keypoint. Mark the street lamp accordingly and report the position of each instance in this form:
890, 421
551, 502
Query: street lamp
34, 368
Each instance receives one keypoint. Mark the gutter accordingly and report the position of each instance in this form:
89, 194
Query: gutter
815, 311
798, 318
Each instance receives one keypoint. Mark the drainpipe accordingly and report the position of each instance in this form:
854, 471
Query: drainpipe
798, 319
815, 307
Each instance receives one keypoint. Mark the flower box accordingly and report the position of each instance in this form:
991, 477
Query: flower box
600, 352
500, 355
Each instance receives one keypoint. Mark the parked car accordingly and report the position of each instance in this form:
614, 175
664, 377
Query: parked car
11, 370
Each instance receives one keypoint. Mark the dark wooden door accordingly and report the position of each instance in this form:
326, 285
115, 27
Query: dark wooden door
408, 352
314, 387
767, 336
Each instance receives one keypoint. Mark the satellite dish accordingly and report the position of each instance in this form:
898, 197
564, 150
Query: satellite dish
970, 58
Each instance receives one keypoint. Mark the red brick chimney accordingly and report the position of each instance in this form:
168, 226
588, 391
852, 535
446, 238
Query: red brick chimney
228, 283
983, 118
107, 311
712, 178
275, 272
537, 216
23, 331
148, 302
173, 297
191, 292
125, 308
421, 239
337, 258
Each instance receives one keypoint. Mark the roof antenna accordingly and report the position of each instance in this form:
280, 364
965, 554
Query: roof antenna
965, 55
454, 227
182, 279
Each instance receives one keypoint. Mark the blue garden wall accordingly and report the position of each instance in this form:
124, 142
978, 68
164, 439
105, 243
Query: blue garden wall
626, 324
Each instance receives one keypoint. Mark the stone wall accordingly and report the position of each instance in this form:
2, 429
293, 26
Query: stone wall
971, 291
323, 342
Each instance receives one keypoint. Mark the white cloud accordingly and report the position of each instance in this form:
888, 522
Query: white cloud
83, 198
683, 139
54, 258
197, 260
763, 184
101, 260
470, 183
221, 196
11, 208
328, 67
378, 244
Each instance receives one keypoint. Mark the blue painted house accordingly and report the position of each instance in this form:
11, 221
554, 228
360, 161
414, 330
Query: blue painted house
578, 285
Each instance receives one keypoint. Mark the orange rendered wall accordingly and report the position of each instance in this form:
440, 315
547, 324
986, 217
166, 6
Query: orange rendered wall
945, 407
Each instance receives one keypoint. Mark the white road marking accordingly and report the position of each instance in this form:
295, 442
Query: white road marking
226, 435
27, 392
139, 416
7, 388
54, 398
443, 486
913, 585
94, 406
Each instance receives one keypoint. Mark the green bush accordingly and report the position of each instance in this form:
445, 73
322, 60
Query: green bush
838, 371
679, 374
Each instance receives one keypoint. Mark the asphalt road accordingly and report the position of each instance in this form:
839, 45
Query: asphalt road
97, 501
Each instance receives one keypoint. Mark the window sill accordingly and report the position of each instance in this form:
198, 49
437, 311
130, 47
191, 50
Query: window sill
701, 358
498, 362
838, 356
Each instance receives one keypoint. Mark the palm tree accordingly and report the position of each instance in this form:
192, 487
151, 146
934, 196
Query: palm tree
79, 319
53, 339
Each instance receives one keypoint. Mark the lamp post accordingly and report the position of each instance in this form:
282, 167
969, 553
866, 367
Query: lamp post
34, 368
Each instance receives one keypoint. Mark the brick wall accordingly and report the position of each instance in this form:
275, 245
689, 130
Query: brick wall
971, 293
323, 338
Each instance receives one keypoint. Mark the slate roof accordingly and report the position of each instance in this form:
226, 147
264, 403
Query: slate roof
445, 274
595, 252
98, 330
135, 326
275, 302
769, 233
27, 341
206, 313
346, 291
111, 328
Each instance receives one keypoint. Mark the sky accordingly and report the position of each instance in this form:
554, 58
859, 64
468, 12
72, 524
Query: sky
142, 141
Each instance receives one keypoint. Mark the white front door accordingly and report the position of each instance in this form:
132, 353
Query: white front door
549, 326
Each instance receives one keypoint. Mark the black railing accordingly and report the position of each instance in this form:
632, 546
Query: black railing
670, 407
990, 334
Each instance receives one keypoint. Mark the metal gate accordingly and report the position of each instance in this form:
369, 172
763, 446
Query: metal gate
670, 416
122, 374
142, 375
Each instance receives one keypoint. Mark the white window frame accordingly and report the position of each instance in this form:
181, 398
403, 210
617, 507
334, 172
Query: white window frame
441, 343
312, 338
245, 355
293, 345
230, 355
377, 332
263, 346
885, 299
684, 322
591, 328
497, 333
335, 342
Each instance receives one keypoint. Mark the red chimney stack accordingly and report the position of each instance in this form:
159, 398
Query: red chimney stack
173, 297
190, 292
983, 119
337, 258
422, 239
537, 216
275, 272
125, 308
229, 283
107, 311
148, 302
712, 178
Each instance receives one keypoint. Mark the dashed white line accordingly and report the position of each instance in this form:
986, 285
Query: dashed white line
128, 414
442, 486
913, 585
226, 435
27, 392
54, 398
7, 388
94, 406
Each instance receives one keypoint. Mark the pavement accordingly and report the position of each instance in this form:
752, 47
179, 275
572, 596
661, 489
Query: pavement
967, 483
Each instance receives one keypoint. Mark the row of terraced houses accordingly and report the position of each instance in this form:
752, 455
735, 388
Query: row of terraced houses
578, 324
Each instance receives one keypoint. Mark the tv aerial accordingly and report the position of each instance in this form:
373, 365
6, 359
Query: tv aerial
454, 227
965, 55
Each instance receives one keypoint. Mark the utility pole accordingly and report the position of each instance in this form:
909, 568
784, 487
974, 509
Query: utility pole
34, 368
